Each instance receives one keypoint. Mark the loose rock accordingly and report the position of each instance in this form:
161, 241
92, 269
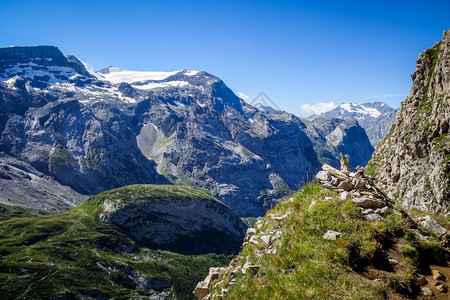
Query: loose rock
332, 235
372, 217
430, 223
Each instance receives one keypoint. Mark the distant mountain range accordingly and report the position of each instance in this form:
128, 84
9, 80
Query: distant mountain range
67, 132
376, 118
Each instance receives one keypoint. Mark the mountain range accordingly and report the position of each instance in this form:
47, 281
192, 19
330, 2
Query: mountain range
67, 132
376, 118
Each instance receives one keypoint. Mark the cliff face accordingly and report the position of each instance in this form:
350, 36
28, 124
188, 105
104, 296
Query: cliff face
193, 223
332, 137
412, 162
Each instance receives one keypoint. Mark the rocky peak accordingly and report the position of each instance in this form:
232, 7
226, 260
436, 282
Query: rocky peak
413, 162
39, 65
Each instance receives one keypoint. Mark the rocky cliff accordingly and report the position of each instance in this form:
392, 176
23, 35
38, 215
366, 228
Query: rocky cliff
413, 162
173, 218
110, 247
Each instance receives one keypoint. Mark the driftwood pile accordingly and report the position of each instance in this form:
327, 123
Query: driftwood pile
357, 186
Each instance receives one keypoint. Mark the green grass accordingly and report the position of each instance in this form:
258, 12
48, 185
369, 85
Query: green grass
62, 156
75, 251
183, 180
308, 267
11, 211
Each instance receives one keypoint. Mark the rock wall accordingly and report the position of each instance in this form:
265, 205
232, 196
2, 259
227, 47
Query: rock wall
182, 224
412, 162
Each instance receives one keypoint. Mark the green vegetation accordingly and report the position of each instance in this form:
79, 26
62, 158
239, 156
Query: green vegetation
184, 180
164, 141
306, 266
371, 168
76, 254
250, 221
427, 183
11, 211
434, 56
62, 156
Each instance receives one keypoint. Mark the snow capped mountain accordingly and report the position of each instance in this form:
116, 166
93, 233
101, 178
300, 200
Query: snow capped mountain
376, 118
146, 80
349, 111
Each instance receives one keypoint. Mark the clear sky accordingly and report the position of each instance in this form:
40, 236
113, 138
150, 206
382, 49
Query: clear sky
297, 52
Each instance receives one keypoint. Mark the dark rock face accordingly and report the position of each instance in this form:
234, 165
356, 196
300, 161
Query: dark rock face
413, 162
188, 226
332, 137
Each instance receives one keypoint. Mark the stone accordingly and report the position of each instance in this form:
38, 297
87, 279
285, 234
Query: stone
368, 211
332, 235
372, 217
426, 291
254, 240
345, 185
438, 275
328, 199
419, 279
266, 239
384, 211
430, 223
312, 204
368, 203
359, 183
250, 232
356, 194
344, 195
323, 176
392, 261
334, 181
443, 288
201, 290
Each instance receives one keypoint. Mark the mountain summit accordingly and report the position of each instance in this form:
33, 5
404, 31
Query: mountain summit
376, 118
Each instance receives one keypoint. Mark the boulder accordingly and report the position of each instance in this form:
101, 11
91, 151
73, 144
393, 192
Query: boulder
334, 181
344, 195
345, 185
419, 279
372, 217
332, 235
427, 292
429, 223
323, 176
384, 211
438, 275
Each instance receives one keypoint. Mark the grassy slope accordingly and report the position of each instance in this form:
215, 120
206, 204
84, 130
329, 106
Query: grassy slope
308, 267
74, 252
11, 211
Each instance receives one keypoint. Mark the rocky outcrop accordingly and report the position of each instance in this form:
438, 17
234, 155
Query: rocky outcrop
176, 219
332, 137
362, 189
412, 164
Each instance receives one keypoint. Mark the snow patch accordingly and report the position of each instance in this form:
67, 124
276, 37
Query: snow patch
117, 75
360, 109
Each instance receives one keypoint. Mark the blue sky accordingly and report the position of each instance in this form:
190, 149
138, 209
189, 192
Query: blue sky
297, 52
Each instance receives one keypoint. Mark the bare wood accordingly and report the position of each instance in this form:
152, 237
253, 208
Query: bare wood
335, 172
